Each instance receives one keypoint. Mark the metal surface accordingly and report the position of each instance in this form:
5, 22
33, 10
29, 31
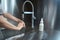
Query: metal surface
52, 19
34, 35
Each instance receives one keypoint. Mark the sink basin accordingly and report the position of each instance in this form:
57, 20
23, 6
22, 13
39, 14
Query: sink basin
15, 37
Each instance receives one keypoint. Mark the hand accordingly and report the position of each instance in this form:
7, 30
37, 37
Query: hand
21, 25
2, 18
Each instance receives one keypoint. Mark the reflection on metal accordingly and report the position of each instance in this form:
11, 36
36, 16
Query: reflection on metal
28, 12
8, 5
13, 3
32, 12
15, 37
4, 5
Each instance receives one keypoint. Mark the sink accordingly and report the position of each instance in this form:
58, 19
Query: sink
16, 37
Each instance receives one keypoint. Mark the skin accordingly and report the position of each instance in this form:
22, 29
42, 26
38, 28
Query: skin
4, 23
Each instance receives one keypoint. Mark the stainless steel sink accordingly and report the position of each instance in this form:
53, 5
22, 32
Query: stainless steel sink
16, 37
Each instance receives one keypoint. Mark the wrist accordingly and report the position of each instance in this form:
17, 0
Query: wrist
19, 20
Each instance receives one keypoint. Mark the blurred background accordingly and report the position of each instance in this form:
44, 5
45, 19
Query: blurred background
31, 12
